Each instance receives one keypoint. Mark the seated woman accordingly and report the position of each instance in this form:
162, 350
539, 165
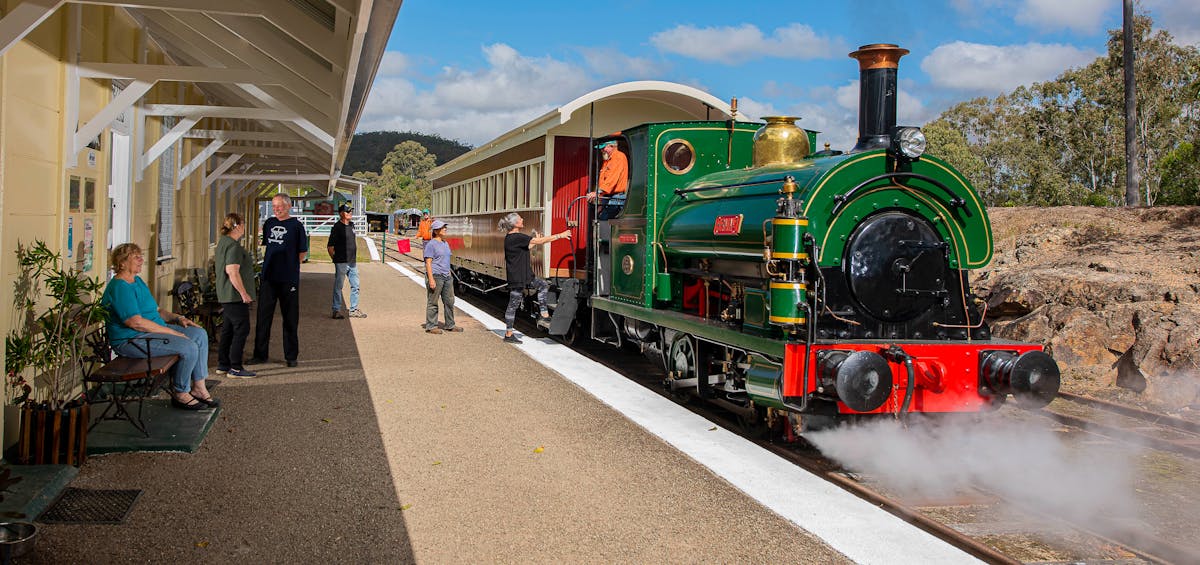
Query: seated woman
133, 313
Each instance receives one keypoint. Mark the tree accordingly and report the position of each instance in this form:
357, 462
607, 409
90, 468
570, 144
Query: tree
401, 178
1060, 141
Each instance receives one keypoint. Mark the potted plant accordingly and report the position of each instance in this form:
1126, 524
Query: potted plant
56, 307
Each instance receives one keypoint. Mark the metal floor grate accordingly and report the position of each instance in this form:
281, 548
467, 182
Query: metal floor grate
83, 506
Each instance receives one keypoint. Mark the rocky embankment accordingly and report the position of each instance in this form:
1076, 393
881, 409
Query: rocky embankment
1114, 293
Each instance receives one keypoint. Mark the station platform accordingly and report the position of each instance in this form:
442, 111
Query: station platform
387, 444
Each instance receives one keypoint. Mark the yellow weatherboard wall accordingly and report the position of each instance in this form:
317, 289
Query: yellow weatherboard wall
37, 199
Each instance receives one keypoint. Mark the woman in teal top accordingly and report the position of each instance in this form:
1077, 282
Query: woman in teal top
133, 313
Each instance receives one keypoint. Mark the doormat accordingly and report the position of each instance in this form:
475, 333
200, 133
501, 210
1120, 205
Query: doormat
84, 506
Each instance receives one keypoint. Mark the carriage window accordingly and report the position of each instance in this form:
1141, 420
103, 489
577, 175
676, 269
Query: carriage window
678, 156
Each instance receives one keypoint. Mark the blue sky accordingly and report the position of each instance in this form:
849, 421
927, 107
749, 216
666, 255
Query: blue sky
471, 70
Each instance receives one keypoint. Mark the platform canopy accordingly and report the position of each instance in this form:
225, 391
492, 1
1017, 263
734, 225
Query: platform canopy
285, 80
600, 112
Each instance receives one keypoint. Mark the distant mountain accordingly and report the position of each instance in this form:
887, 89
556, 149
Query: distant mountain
368, 150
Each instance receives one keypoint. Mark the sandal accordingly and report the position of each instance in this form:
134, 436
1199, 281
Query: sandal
195, 404
210, 401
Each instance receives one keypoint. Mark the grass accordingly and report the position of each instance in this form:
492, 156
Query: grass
318, 250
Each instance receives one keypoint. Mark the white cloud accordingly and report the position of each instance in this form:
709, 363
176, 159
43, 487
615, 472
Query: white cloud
472, 106
393, 63
1083, 16
751, 109
1179, 17
736, 44
510, 82
610, 64
992, 69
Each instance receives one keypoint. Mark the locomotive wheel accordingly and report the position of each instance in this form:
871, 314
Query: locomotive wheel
681, 364
754, 426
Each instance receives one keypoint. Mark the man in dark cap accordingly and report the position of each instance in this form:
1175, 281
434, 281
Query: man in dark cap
344, 251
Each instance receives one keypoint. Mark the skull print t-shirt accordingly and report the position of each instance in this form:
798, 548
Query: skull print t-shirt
284, 240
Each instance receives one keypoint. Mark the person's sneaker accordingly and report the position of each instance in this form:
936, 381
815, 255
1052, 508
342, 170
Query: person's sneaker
455, 329
433, 330
221, 371
291, 363
512, 339
337, 315
256, 361
356, 313
242, 374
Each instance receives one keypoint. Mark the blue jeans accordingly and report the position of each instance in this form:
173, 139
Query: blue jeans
192, 351
349, 271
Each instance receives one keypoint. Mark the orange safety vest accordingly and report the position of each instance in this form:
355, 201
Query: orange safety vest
425, 229
614, 174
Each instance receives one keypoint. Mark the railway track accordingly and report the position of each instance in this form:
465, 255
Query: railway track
1127, 423
1033, 537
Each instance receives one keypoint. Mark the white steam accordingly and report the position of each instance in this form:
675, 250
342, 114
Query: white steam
1026, 462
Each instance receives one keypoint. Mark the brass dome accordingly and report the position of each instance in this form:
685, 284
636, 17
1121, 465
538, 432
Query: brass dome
780, 142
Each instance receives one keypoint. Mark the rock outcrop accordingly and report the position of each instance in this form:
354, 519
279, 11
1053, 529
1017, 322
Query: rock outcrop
1111, 292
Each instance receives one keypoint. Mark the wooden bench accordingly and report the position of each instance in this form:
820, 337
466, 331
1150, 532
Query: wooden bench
129, 379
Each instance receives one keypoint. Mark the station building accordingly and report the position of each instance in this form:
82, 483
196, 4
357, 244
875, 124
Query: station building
149, 120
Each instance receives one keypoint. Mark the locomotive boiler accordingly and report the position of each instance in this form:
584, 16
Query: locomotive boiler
769, 277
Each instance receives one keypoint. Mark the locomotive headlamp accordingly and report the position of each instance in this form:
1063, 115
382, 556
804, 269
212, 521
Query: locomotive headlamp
908, 143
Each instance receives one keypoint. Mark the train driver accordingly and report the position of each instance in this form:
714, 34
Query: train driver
614, 179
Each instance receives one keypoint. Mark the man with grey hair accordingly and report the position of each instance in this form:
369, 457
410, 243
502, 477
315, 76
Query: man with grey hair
286, 247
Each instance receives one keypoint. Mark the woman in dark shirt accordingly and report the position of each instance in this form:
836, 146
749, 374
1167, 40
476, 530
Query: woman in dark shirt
519, 271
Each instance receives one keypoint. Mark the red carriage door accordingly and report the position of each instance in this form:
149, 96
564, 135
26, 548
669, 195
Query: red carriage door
570, 181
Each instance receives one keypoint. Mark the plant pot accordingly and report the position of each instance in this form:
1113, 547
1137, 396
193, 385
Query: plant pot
53, 437
12, 426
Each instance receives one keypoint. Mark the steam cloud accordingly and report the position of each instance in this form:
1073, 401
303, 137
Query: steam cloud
1027, 462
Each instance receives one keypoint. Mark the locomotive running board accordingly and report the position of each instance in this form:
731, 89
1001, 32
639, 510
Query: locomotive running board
705, 329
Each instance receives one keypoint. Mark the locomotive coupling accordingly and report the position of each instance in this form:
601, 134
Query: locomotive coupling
1032, 377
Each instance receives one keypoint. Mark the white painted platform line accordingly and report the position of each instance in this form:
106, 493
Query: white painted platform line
862, 532
371, 248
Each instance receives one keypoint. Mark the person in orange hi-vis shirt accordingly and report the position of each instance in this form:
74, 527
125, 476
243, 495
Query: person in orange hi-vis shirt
425, 228
614, 179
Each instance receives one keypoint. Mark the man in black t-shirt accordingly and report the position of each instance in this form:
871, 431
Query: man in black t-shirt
519, 271
344, 251
286, 247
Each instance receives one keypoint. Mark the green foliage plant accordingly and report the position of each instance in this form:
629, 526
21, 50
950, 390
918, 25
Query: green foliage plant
56, 307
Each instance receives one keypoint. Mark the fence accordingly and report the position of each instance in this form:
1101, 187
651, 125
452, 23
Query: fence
320, 225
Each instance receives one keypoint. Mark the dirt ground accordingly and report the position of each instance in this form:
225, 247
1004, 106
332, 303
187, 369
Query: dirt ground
1114, 293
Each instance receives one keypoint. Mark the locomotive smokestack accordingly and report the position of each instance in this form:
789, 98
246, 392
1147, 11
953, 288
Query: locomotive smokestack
877, 66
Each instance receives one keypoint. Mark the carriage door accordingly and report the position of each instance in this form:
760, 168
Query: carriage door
570, 178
